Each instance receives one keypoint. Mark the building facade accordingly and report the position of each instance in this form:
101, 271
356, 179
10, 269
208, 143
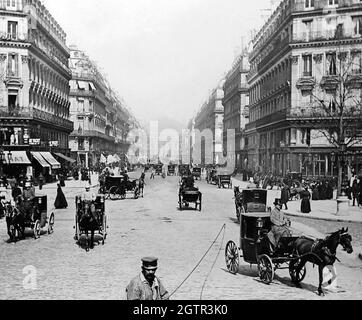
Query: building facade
34, 91
210, 118
236, 107
101, 120
294, 66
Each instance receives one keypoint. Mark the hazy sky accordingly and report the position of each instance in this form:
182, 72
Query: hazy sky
162, 56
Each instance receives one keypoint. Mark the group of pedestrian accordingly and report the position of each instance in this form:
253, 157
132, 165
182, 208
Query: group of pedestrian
355, 191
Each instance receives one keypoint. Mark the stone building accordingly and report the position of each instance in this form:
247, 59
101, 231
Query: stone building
210, 118
34, 87
236, 107
294, 65
101, 120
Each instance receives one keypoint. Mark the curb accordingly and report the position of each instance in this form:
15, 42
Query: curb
323, 219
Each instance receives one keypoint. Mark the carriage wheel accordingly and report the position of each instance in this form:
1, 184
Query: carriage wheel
297, 277
113, 193
266, 269
51, 223
37, 229
180, 202
232, 257
12, 232
136, 194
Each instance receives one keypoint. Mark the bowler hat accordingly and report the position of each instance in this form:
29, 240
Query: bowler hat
149, 263
277, 202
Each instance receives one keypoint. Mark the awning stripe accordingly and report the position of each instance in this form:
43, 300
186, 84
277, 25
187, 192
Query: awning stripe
40, 159
17, 157
60, 155
48, 157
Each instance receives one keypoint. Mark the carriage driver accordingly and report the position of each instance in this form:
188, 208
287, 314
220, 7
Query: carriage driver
280, 225
89, 197
26, 206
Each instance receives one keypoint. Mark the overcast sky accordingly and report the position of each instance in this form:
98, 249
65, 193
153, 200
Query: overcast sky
162, 56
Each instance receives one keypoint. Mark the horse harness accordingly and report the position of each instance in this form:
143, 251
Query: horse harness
319, 246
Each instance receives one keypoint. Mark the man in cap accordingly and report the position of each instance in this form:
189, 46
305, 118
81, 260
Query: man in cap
147, 286
280, 225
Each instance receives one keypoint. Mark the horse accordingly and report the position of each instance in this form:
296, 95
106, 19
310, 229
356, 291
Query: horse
88, 221
322, 252
15, 222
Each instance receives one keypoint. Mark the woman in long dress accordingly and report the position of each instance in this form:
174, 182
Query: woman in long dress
305, 205
60, 201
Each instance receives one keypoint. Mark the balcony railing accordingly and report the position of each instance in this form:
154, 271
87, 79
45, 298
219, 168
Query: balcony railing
15, 112
6, 36
51, 118
346, 33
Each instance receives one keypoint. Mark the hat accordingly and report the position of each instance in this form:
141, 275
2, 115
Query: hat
149, 263
277, 202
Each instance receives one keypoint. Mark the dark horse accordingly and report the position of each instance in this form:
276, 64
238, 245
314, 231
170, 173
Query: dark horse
15, 222
88, 221
322, 252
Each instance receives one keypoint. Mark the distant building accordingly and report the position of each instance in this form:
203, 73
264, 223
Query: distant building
236, 107
210, 117
101, 121
294, 63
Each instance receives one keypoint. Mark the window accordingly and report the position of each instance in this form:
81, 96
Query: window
12, 29
309, 4
307, 61
357, 26
333, 2
356, 62
331, 64
13, 65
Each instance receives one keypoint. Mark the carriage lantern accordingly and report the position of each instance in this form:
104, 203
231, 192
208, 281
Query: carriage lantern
259, 223
39, 200
102, 199
333, 157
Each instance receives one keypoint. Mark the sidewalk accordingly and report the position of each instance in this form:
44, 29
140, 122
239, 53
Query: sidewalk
321, 210
71, 183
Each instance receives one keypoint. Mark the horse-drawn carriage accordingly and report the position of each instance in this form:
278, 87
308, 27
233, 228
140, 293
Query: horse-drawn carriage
116, 187
183, 169
224, 180
188, 193
291, 253
171, 170
158, 169
90, 217
212, 177
196, 172
32, 214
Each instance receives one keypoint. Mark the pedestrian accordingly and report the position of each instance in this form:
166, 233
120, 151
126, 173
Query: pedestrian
360, 192
285, 195
146, 285
305, 204
61, 179
41, 181
152, 173
355, 192
315, 192
16, 192
60, 201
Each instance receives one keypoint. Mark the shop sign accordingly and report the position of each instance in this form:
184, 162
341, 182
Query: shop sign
34, 142
54, 143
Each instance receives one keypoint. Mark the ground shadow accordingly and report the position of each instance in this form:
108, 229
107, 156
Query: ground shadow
82, 243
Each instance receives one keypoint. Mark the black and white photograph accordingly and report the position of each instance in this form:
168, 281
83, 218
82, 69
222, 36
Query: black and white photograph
181, 150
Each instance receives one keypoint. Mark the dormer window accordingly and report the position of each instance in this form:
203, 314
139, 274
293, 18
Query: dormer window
309, 4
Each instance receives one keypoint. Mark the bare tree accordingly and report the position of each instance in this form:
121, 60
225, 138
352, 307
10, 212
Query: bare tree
336, 105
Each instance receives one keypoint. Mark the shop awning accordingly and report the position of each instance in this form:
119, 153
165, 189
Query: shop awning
17, 157
60, 155
48, 157
82, 84
40, 159
92, 86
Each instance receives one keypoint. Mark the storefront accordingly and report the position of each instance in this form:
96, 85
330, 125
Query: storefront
17, 164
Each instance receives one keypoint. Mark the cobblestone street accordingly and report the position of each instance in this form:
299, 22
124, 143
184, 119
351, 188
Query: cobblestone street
153, 225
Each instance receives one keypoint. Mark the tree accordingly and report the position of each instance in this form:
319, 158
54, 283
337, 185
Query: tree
336, 107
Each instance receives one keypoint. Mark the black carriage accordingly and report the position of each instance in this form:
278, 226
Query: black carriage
190, 195
224, 180
183, 169
196, 172
158, 169
116, 187
212, 177
254, 245
99, 207
36, 217
171, 170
